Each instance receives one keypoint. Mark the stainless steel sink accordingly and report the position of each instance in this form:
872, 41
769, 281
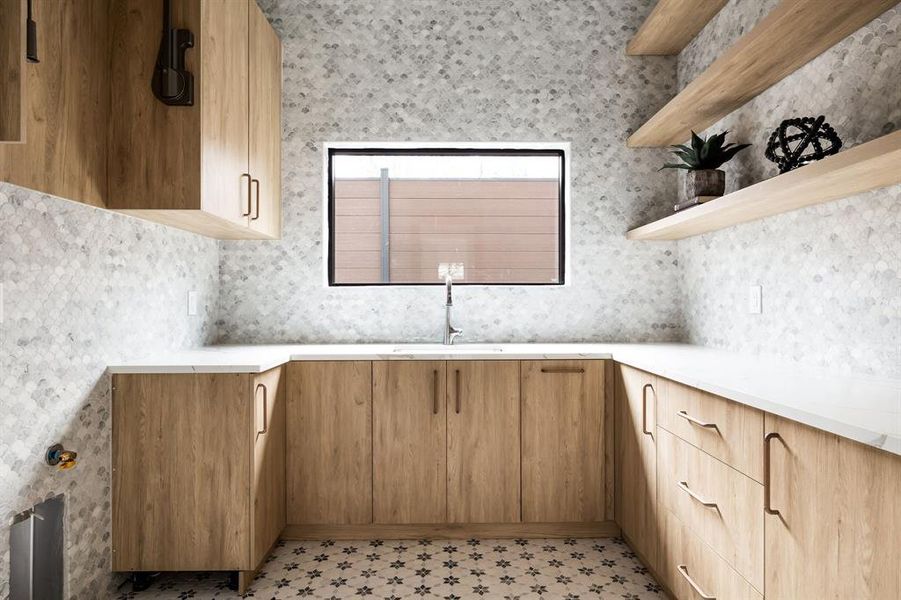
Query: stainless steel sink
442, 349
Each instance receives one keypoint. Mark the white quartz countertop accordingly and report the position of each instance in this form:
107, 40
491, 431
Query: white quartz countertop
866, 409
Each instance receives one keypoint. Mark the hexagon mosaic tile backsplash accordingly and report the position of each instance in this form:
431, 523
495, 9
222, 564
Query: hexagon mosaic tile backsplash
831, 274
466, 70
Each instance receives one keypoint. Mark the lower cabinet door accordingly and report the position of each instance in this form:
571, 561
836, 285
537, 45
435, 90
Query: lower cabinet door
635, 460
330, 443
409, 442
833, 529
483, 475
563, 465
268, 484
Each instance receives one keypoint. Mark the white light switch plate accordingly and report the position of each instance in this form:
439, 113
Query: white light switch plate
755, 299
192, 304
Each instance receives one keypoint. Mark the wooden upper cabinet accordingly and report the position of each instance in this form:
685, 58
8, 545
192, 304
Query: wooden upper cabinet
409, 442
330, 446
265, 54
214, 167
837, 530
12, 71
483, 451
563, 463
636, 460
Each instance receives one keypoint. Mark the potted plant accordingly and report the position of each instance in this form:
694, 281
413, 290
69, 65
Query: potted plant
703, 161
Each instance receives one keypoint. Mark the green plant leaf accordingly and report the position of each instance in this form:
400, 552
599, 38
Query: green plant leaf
696, 142
727, 155
675, 166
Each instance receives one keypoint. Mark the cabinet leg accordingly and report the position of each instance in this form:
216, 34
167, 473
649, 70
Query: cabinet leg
239, 581
141, 581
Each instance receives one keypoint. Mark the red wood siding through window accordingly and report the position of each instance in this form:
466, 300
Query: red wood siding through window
503, 231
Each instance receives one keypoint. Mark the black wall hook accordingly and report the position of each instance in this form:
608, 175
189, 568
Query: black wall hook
172, 84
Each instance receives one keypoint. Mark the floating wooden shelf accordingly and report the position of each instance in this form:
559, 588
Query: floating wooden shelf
671, 26
789, 37
862, 168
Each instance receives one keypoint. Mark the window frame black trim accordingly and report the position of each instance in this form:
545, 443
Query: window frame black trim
559, 153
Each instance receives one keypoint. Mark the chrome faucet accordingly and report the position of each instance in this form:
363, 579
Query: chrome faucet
450, 332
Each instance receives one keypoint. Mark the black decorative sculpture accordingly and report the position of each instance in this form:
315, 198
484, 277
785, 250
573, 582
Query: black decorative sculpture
793, 149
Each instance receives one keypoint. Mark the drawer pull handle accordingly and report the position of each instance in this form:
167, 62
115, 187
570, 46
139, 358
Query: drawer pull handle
562, 370
695, 420
435, 396
683, 485
684, 571
249, 194
265, 409
766, 473
457, 389
644, 408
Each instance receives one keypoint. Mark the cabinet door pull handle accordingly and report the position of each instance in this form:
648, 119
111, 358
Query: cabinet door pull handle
265, 408
457, 388
683, 485
256, 199
435, 398
644, 409
249, 193
766, 473
684, 571
695, 420
562, 370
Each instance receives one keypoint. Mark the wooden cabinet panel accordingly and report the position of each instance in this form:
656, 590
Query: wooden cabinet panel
265, 124
733, 526
690, 568
483, 451
837, 530
67, 104
329, 442
190, 166
733, 433
12, 71
268, 487
224, 99
409, 442
636, 459
563, 466
181, 457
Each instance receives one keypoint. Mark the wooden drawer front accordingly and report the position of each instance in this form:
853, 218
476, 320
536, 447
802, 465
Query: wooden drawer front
688, 478
729, 431
692, 570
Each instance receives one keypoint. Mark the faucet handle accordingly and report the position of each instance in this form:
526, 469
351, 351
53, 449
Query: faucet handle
455, 333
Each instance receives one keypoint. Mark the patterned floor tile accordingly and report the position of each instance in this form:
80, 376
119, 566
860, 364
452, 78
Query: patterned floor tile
571, 569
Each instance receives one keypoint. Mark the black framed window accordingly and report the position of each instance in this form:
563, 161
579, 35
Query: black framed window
411, 216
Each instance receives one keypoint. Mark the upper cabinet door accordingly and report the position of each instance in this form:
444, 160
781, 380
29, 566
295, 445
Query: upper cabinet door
409, 442
483, 451
563, 465
636, 459
224, 94
265, 125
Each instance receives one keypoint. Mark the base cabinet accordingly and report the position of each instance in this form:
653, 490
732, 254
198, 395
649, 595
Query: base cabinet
483, 445
329, 478
409, 452
635, 459
563, 434
198, 470
833, 528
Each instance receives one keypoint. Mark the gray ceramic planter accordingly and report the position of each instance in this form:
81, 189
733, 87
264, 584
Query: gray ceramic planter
708, 182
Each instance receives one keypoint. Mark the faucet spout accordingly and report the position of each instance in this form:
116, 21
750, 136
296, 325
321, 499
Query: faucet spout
450, 332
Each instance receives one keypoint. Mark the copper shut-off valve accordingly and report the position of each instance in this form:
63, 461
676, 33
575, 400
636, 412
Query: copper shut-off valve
59, 457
